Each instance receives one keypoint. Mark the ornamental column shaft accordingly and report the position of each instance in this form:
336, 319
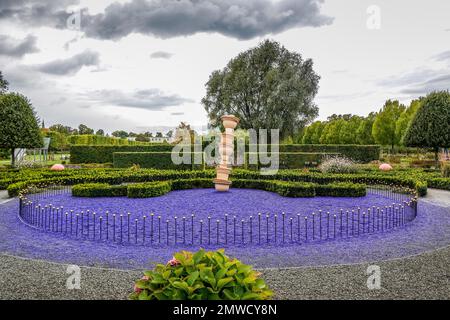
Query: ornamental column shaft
226, 149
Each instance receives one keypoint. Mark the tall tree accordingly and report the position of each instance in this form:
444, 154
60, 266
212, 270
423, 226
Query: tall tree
100, 132
84, 129
383, 129
364, 131
3, 84
405, 118
430, 126
19, 126
267, 87
348, 133
331, 132
120, 134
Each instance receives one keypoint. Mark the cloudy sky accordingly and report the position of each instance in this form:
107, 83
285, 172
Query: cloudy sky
142, 65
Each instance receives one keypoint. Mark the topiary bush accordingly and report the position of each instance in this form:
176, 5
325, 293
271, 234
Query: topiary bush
202, 275
148, 189
338, 165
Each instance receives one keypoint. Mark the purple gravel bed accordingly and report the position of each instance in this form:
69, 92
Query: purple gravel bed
430, 230
206, 217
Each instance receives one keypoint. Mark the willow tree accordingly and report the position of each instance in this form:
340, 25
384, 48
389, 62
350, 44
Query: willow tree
267, 87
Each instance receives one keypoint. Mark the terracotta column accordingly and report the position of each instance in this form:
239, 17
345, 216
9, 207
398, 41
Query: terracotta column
226, 148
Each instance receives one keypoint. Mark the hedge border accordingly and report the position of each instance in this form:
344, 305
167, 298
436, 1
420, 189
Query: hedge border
159, 188
114, 176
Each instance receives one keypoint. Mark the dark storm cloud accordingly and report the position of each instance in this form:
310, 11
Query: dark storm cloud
420, 81
161, 55
48, 13
150, 99
241, 19
71, 65
17, 48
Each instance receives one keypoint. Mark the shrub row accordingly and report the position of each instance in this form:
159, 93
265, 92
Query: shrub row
119, 176
104, 153
446, 170
99, 190
439, 183
148, 189
158, 188
154, 160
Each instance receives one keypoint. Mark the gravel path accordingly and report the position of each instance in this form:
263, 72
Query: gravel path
422, 276
425, 276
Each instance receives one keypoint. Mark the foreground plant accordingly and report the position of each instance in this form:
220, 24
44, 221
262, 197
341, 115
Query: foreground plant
201, 276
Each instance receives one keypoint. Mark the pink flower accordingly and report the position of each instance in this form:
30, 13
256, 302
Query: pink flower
145, 278
173, 262
137, 290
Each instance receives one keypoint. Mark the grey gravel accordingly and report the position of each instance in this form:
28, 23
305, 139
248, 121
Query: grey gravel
425, 276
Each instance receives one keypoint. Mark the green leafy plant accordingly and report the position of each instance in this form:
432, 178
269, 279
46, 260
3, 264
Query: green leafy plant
201, 276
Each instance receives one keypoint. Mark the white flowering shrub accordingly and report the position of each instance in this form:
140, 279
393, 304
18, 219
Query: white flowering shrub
338, 165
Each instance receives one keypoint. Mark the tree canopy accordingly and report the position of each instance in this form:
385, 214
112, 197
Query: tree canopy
430, 126
3, 84
267, 87
19, 126
383, 129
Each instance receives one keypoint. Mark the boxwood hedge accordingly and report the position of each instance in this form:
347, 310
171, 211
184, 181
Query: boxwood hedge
158, 188
18, 181
104, 153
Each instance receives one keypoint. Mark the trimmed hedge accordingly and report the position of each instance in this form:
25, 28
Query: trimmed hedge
439, 183
291, 160
99, 190
149, 189
446, 170
104, 153
360, 153
153, 160
159, 188
341, 189
411, 179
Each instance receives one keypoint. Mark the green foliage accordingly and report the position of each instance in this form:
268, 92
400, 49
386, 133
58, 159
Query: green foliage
266, 87
104, 153
340, 189
202, 275
16, 180
446, 170
405, 119
364, 131
439, 183
148, 189
99, 190
3, 84
156, 160
348, 132
98, 140
58, 141
383, 129
19, 127
84, 129
430, 126
313, 133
